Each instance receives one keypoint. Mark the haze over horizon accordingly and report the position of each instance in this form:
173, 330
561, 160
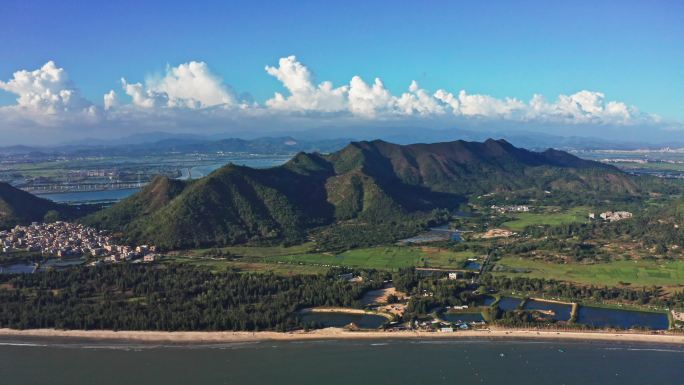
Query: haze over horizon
611, 70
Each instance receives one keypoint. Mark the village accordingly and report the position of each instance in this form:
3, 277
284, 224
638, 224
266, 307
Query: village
612, 216
71, 240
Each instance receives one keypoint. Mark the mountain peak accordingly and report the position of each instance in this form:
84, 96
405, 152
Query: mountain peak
366, 181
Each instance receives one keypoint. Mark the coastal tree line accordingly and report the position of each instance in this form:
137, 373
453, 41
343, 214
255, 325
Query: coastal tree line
174, 297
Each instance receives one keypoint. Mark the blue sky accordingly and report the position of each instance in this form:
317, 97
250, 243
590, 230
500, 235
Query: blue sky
631, 51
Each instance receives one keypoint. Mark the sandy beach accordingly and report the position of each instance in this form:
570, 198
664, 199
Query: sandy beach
338, 333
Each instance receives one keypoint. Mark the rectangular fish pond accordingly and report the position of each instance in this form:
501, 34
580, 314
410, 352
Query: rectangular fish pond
622, 319
340, 319
30, 267
509, 303
486, 300
556, 311
462, 317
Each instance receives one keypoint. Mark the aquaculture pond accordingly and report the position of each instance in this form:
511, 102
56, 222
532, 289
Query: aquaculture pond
30, 267
623, 319
509, 303
487, 300
561, 312
335, 319
462, 317
473, 265
18, 268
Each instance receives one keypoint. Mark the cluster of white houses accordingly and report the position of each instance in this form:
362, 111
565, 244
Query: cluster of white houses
612, 216
511, 209
63, 239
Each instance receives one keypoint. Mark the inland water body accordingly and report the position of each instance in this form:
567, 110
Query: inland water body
340, 362
112, 196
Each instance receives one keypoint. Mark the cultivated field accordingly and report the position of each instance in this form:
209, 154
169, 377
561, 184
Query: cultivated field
384, 258
636, 273
573, 215
301, 257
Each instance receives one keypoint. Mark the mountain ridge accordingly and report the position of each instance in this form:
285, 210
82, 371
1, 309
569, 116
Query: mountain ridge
366, 181
19, 207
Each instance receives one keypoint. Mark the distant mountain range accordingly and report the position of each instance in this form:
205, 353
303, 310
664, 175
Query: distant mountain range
369, 182
316, 141
184, 144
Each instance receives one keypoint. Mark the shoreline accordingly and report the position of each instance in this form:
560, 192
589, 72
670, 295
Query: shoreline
341, 334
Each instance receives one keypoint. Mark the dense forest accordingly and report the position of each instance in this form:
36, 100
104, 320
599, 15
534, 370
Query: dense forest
176, 297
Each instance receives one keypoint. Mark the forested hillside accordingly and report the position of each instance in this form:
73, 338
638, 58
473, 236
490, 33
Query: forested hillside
374, 182
19, 207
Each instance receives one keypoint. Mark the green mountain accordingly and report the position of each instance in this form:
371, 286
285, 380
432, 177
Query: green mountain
365, 182
20, 207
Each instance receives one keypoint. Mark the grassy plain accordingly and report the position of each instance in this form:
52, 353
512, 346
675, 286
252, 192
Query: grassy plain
219, 265
299, 257
636, 273
572, 215
384, 258
256, 251
660, 166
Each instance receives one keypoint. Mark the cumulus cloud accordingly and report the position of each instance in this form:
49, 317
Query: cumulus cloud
419, 101
488, 106
582, 107
46, 90
369, 101
190, 85
111, 100
190, 96
145, 97
304, 94
375, 101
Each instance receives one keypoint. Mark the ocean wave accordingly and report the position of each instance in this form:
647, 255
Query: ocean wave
22, 344
631, 349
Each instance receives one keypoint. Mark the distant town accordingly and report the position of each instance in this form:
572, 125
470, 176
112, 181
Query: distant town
70, 240
612, 216
511, 209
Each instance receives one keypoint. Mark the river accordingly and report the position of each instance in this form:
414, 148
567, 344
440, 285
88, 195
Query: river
340, 362
111, 196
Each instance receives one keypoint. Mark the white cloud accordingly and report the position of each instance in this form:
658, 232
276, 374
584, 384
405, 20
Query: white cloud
420, 102
191, 97
46, 90
190, 85
583, 107
304, 95
111, 100
374, 101
488, 106
144, 97
369, 101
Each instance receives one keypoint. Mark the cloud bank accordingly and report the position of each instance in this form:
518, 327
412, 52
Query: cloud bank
190, 85
191, 97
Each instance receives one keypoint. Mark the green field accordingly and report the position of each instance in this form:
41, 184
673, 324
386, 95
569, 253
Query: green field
223, 265
386, 258
301, 257
573, 215
637, 273
256, 251
660, 166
